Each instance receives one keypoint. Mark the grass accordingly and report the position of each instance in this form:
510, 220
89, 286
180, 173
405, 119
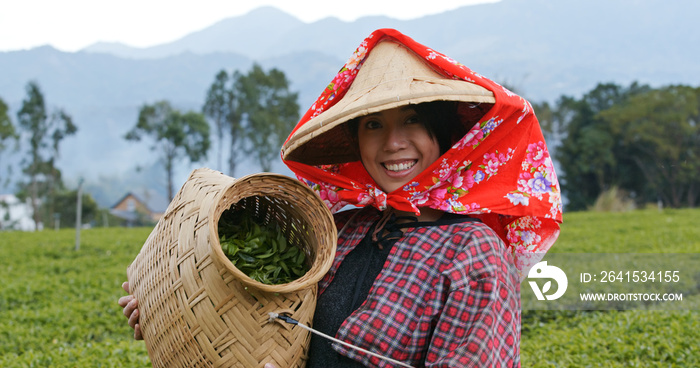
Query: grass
643, 231
611, 339
58, 306
632, 338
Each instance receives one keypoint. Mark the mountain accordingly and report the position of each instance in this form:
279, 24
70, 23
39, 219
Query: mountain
545, 48
541, 48
239, 35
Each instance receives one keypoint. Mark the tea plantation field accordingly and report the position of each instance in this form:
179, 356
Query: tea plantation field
632, 338
58, 306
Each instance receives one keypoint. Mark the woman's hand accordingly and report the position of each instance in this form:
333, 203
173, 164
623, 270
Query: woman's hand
269, 365
131, 311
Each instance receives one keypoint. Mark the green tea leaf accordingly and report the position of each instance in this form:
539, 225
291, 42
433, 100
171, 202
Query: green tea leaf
261, 251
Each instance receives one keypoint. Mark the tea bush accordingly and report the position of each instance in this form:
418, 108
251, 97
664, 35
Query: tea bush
58, 306
631, 338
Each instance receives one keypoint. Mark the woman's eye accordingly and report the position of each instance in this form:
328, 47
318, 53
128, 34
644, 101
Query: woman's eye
413, 120
372, 124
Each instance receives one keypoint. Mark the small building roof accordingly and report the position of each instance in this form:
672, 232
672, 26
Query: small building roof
154, 201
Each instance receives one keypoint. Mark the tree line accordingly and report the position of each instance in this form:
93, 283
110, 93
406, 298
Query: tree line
642, 141
255, 111
43, 130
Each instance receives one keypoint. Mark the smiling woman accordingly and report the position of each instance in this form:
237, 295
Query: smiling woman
430, 150
429, 261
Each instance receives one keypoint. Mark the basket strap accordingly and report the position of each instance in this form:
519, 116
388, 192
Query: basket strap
292, 321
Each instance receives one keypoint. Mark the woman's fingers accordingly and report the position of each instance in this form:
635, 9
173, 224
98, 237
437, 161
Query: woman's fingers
131, 311
137, 332
133, 317
124, 301
130, 304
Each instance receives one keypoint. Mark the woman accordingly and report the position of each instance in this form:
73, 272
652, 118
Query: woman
457, 199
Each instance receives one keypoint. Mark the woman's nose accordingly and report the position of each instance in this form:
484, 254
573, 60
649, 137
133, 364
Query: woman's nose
395, 140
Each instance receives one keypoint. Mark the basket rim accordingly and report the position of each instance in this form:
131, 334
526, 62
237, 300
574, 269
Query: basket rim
294, 285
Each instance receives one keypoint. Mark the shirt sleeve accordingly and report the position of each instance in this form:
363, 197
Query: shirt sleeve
480, 323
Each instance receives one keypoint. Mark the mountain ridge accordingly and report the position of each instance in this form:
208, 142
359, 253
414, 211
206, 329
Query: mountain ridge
212, 38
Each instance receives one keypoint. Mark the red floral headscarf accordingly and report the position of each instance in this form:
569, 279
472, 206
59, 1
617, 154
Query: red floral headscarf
500, 171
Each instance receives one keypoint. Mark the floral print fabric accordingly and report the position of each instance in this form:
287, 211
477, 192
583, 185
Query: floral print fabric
500, 171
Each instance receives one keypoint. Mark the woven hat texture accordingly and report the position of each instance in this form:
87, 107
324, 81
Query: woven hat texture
390, 76
197, 309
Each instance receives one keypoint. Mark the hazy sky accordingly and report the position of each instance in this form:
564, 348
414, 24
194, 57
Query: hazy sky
71, 25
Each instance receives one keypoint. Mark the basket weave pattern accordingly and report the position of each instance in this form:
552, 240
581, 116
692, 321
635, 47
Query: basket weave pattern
197, 309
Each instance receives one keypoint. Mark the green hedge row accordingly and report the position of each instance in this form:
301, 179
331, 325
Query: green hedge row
58, 306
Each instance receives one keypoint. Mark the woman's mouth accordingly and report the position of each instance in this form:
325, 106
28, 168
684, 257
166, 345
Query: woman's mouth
399, 166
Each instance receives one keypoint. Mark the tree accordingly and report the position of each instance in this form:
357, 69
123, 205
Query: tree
175, 135
220, 107
643, 141
45, 131
269, 111
66, 208
7, 130
590, 151
660, 131
258, 110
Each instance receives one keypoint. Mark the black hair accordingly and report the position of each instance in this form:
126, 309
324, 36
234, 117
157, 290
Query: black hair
442, 120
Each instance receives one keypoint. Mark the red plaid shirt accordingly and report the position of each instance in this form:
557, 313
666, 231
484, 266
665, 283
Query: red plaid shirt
448, 296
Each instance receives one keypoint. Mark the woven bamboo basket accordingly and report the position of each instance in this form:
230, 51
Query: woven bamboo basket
197, 309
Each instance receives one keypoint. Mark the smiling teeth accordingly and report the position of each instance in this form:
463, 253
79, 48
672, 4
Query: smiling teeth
399, 167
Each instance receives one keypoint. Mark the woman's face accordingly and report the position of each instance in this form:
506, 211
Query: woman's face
395, 146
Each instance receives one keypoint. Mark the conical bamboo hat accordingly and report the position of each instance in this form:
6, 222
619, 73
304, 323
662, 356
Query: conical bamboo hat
390, 76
